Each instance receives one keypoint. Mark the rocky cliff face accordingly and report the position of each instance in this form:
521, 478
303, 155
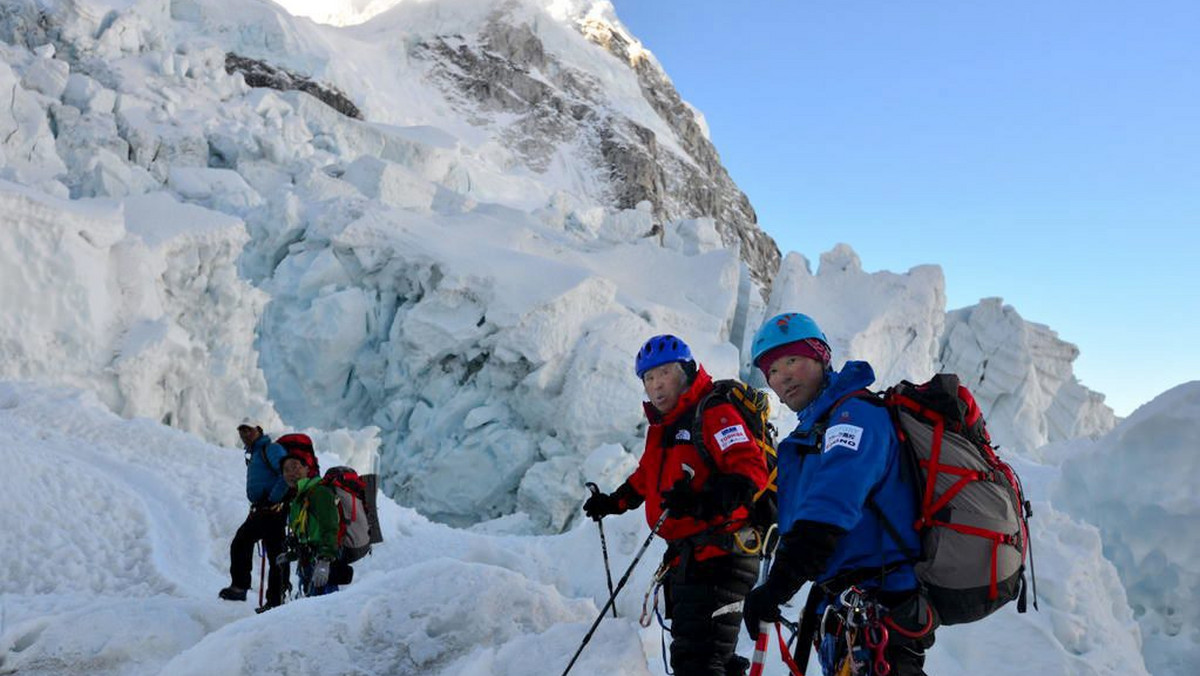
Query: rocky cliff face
506, 68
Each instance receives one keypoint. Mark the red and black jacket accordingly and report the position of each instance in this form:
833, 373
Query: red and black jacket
670, 448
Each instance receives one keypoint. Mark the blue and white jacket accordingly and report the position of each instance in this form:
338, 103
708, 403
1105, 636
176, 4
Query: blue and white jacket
829, 479
264, 477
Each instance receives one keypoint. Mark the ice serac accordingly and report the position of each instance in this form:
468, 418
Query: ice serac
145, 307
891, 320
1021, 374
1137, 484
494, 375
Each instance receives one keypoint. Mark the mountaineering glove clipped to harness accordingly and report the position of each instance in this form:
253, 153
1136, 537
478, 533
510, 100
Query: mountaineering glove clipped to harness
803, 554
601, 505
726, 492
320, 573
721, 495
681, 500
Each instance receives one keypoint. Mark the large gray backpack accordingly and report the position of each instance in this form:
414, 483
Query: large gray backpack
359, 527
972, 513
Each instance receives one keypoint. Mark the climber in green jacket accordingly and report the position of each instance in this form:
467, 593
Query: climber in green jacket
313, 524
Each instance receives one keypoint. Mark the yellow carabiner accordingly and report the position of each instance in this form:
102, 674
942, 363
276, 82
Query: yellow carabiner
752, 551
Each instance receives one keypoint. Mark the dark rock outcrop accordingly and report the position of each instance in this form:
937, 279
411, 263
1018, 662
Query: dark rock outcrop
505, 69
261, 74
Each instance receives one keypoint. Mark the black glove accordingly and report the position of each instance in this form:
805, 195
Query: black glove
803, 555
760, 605
601, 505
726, 492
682, 501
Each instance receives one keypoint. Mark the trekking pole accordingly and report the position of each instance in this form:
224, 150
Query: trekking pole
603, 546
262, 571
620, 585
760, 649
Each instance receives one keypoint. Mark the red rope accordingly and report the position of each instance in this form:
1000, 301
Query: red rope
786, 654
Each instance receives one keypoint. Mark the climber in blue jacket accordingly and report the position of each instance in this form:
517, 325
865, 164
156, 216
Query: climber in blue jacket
838, 469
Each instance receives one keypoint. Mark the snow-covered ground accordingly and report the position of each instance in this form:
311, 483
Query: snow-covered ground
438, 285
119, 529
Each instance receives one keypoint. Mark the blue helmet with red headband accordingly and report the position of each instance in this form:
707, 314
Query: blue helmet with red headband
660, 350
782, 329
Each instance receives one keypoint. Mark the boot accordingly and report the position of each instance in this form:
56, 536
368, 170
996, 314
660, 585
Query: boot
232, 593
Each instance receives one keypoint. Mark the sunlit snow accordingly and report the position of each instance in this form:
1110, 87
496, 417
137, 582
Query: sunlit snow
430, 294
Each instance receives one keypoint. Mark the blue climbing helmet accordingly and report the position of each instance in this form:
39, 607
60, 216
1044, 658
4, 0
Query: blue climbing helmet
789, 327
660, 350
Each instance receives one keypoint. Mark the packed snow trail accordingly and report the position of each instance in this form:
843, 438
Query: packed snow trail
124, 580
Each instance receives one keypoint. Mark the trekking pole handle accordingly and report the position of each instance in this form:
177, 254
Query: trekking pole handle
620, 585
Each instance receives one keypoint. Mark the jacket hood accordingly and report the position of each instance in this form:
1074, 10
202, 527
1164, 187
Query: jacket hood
855, 375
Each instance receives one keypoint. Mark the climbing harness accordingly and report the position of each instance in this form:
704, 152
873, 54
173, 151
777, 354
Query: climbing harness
853, 635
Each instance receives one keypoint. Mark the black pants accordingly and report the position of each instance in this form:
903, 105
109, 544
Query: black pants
912, 612
704, 602
268, 526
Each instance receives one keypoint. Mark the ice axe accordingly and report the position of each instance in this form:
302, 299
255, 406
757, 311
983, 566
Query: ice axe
603, 547
262, 571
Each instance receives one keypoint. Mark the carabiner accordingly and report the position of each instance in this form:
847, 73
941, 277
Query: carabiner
853, 601
649, 612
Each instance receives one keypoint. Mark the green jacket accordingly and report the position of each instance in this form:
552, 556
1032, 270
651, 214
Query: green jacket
314, 517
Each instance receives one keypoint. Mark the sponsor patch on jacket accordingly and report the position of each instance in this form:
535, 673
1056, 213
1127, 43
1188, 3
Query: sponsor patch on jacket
844, 435
683, 435
735, 434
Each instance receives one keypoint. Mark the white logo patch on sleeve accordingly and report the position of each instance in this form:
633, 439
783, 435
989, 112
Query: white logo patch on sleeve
844, 435
732, 435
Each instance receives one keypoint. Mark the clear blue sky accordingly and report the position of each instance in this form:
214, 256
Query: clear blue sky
1044, 152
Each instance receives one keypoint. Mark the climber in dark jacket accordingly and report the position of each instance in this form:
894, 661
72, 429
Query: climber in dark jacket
266, 490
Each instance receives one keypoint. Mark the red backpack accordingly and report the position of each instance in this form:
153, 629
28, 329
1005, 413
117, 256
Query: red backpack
301, 446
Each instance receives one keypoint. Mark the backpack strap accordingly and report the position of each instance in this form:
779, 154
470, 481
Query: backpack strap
820, 426
696, 430
891, 529
267, 459
822, 423
877, 400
